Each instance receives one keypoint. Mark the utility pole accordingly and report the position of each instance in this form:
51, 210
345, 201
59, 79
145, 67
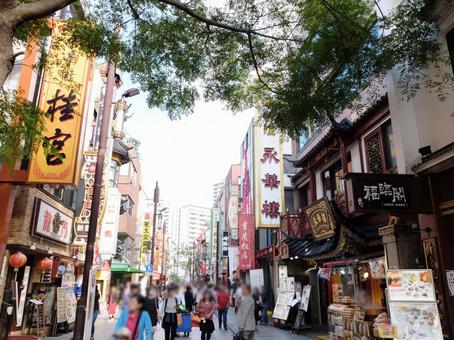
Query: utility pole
96, 197
153, 236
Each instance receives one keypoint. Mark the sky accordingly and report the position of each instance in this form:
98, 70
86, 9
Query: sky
189, 155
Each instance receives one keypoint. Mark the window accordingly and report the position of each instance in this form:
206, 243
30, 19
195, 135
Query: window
304, 195
332, 180
127, 205
302, 140
113, 173
380, 150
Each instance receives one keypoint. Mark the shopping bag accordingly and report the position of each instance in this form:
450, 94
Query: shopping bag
179, 319
238, 336
196, 319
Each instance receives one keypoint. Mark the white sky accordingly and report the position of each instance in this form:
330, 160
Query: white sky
189, 155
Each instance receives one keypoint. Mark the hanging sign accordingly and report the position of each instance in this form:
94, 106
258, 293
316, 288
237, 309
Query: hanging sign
246, 242
63, 103
321, 219
109, 227
225, 244
51, 223
145, 243
393, 193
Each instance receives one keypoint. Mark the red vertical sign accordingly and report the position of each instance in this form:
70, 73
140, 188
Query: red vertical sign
246, 242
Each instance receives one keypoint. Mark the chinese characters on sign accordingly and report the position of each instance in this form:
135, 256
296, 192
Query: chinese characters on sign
269, 182
321, 219
145, 250
225, 244
55, 161
389, 193
386, 194
52, 223
246, 242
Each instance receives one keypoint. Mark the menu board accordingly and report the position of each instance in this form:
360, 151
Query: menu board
377, 268
282, 308
61, 304
415, 320
305, 295
71, 305
410, 285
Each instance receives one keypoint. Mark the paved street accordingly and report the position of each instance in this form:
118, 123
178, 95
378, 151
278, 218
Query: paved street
104, 328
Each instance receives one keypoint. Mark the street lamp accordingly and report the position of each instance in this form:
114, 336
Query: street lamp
96, 197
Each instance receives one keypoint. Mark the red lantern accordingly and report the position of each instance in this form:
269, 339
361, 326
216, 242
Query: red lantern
17, 260
45, 264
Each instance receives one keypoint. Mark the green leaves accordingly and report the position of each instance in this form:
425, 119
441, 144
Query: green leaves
21, 127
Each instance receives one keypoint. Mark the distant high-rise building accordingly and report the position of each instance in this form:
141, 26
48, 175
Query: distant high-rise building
217, 188
194, 220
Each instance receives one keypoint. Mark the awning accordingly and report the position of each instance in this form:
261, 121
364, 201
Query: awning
124, 268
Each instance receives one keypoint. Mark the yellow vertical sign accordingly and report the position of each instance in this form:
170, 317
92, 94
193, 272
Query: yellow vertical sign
63, 103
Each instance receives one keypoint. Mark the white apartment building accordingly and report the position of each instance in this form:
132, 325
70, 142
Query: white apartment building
217, 189
194, 220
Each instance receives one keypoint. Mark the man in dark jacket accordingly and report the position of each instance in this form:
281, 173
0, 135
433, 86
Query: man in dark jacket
151, 306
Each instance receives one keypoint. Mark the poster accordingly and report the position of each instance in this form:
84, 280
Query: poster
61, 304
290, 284
450, 280
410, 285
305, 296
52, 223
257, 279
282, 308
71, 305
377, 268
415, 320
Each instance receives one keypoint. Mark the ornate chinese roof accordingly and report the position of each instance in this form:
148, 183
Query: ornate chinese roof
122, 150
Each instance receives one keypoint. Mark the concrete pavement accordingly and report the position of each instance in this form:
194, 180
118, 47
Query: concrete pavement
104, 330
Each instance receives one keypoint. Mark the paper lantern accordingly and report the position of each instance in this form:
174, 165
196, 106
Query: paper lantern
17, 260
44, 264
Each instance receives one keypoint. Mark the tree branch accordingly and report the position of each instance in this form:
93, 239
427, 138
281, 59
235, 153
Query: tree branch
37, 10
256, 65
181, 6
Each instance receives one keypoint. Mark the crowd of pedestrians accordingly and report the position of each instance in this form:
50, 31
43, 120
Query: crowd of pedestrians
138, 315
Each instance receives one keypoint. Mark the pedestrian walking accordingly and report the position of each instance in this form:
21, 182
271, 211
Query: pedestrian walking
151, 306
206, 307
189, 298
257, 304
168, 312
135, 319
237, 296
223, 306
113, 301
265, 305
246, 318
95, 312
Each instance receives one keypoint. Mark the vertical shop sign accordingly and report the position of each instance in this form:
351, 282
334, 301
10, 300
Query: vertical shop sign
145, 244
246, 242
269, 179
109, 228
247, 174
22, 298
63, 104
225, 244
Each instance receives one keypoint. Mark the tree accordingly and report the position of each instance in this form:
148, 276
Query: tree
299, 62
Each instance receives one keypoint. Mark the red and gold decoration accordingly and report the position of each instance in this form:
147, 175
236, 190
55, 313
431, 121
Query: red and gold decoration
321, 219
17, 260
44, 264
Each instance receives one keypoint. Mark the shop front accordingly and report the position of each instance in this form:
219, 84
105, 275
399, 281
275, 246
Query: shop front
40, 273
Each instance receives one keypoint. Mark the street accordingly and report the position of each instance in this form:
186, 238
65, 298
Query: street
104, 328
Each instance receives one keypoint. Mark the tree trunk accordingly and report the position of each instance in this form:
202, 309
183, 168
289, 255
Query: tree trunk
6, 49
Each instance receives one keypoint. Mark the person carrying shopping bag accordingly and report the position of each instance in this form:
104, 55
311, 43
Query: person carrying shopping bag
168, 312
246, 313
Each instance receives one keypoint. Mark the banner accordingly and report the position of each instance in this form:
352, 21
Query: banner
246, 242
109, 228
145, 258
225, 244
63, 102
